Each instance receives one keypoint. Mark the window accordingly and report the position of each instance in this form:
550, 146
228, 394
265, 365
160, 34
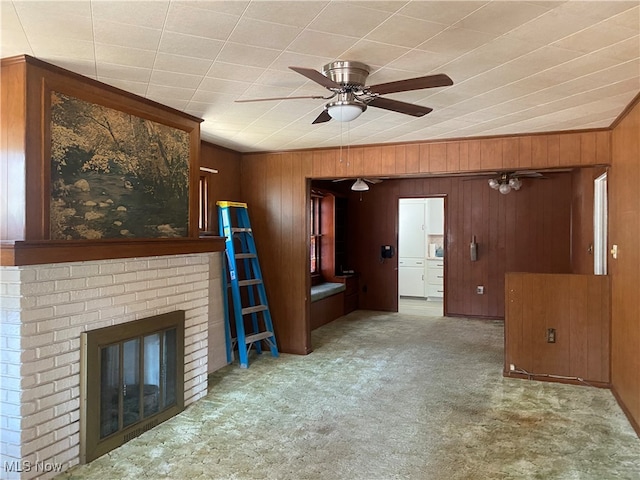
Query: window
314, 217
204, 196
203, 213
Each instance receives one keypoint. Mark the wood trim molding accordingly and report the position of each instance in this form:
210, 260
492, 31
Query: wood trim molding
626, 111
46, 251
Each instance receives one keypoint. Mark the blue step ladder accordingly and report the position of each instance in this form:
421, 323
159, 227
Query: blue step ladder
240, 246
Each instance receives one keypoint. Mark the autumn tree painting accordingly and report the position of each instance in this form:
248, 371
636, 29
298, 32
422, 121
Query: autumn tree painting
115, 175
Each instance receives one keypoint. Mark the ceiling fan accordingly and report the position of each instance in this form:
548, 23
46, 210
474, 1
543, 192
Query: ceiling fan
350, 96
360, 185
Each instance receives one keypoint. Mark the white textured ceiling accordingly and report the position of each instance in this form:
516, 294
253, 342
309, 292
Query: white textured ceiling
517, 66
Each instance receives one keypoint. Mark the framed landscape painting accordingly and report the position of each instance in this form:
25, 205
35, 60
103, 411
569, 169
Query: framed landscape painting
115, 175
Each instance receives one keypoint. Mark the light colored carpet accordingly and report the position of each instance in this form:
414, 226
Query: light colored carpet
385, 396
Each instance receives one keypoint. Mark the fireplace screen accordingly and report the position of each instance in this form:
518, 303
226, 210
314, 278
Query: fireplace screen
132, 380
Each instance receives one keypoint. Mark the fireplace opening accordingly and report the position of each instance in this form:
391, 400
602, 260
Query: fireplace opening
132, 379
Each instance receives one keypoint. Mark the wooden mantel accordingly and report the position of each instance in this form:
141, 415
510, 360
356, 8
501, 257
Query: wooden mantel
46, 251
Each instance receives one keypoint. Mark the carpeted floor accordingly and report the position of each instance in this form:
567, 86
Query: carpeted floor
385, 396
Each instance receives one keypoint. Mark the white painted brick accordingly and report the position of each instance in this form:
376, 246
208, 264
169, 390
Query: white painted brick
37, 314
158, 283
52, 447
124, 278
67, 431
159, 302
55, 399
111, 312
54, 374
135, 308
53, 273
66, 334
52, 323
85, 269
52, 425
135, 265
83, 318
98, 304
11, 303
86, 294
69, 308
67, 407
71, 284
66, 358
10, 275
53, 299
146, 274
38, 417
157, 263
36, 393
35, 341
136, 286
112, 290
100, 281
177, 261
124, 299
54, 349
112, 267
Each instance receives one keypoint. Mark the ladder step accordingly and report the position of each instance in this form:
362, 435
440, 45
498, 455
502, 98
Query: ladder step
257, 308
240, 230
256, 337
246, 255
246, 283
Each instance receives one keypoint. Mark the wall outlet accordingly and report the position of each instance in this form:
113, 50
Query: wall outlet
551, 335
512, 367
480, 289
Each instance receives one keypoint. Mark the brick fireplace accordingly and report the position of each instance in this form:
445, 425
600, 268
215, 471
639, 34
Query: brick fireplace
45, 309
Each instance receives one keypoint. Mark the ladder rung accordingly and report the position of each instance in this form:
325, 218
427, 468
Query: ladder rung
257, 308
246, 283
245, 255
257, 337
240, 230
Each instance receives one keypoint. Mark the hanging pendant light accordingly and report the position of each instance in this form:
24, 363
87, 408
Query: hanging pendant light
360, 186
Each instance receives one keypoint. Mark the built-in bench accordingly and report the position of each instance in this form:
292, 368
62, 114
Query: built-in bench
327, 303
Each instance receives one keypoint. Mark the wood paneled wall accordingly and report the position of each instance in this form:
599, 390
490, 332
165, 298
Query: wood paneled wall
224, 185
504, 153
275, 185
276, 189
524, 231
624, 231
576, 306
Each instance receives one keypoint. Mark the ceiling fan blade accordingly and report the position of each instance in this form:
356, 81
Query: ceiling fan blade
372, 180
315, 97
430, 81
400, 107
323, 117
316, 76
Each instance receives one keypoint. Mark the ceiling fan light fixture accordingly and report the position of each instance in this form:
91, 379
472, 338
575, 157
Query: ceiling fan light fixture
360, 186
345, 111
504, 188
515, 183
493, 183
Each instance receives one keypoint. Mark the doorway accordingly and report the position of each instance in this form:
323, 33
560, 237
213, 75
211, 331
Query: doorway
421, 256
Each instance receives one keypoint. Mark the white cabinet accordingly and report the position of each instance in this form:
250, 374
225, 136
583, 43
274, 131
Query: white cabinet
411, 277
434, 286
435, 216
411, 228
420, 231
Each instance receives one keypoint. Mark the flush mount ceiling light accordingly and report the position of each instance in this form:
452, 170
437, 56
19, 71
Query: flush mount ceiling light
360, 186
505, 183
345, 111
